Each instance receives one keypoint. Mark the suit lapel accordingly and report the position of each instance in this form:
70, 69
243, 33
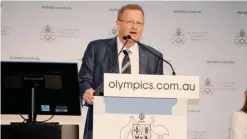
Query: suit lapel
112, 53
142, 60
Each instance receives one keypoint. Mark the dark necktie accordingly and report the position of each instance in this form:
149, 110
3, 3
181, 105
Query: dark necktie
126, 66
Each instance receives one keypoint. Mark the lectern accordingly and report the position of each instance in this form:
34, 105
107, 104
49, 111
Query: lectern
144, 106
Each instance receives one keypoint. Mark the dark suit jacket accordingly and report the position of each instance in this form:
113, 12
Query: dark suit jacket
101, 57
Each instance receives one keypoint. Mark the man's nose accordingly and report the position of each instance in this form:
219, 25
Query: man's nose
134, 26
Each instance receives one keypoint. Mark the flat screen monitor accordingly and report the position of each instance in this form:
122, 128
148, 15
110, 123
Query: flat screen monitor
56, 88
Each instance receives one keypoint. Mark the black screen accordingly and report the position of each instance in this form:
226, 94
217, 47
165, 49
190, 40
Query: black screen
56, 88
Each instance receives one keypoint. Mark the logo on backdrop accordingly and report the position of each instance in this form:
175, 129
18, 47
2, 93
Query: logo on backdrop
223, 85
198, 36
113, 9
207, 88
220, 62
52, 7
241, 38
47, 34
183, 11
68, 32
5, 30
143, 129
178, 37
113, 32
181, 37
242, 12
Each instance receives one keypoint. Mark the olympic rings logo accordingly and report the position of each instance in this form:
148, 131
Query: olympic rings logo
207, 90
178, 40
240, 41
47, 37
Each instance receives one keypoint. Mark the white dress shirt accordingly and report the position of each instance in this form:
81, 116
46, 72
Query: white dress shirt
238, 128
133, 55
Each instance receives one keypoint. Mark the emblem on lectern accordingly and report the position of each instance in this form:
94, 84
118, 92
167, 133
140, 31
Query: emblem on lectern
143, 129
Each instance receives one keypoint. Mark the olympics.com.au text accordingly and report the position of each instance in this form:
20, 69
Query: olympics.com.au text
150, 86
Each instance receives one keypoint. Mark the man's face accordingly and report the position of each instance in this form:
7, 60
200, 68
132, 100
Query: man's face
131, 23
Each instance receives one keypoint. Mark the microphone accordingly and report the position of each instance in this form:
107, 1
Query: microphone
129, 37
126, 37
99, 90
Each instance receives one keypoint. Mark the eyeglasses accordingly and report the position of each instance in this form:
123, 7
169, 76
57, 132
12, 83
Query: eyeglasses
131, 22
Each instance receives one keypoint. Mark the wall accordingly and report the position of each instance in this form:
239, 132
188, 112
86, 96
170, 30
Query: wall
207, 39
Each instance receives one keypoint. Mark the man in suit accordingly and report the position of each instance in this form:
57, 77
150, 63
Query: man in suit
101, 56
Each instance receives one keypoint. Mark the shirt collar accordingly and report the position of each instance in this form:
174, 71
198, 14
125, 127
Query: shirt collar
120, 45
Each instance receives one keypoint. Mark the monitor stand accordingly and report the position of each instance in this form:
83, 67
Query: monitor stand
33, 115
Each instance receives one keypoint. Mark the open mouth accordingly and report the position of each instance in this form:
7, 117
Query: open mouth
132, 32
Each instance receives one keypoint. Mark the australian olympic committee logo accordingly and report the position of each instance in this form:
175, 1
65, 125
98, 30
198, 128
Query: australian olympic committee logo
142, 129
179, 37
207, 88
241, 38
113, 32
47, 34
